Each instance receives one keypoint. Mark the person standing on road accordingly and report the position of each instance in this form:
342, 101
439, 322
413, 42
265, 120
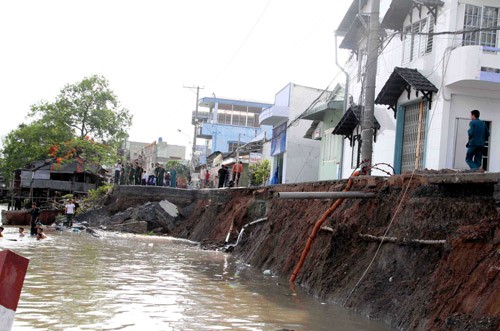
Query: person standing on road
35, 215
478, 135
173, 177
207, 178
131, 175
160, 175
222, 172
138, 174
201, 176
118, 171
167, 178
237, 170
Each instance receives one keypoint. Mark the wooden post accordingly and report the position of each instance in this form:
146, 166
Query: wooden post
13, 269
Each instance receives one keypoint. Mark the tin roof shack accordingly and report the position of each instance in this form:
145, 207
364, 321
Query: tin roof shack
49, 179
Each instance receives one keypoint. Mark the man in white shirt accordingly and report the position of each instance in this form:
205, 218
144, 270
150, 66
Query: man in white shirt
118, 171
69, 210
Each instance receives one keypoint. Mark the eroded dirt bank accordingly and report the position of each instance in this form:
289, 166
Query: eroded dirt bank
449, 281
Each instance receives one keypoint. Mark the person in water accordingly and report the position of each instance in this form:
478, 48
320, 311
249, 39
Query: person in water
1, 231
40, 234
21, 232
35, 214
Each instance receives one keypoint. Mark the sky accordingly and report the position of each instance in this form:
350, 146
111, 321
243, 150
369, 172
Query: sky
153, 51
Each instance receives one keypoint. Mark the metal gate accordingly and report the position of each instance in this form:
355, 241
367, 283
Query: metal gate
415, 121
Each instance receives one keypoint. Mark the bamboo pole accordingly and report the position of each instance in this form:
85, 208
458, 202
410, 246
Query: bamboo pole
419, 133
395, 240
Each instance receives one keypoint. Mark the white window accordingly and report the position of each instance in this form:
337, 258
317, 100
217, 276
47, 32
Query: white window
477, 17
418, 39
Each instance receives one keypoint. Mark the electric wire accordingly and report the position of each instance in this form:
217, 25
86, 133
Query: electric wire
382, 241
244, 41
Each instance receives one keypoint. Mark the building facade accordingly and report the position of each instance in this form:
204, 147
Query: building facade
438, 61
150, 153
325, 117
293, 158
225, 124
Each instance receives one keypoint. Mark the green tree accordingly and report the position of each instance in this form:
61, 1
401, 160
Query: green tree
90, 109
90, 152
181, 169
29, 142
259, 172
85, 120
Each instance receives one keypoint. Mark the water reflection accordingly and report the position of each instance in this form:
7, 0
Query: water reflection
120, 282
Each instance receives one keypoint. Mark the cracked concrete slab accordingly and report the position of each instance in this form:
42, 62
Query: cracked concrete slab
170, 208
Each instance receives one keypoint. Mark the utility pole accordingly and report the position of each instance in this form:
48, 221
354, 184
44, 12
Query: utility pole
238, 149
195, 120
371, 73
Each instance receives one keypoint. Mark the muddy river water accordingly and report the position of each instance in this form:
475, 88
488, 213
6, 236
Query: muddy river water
122, 282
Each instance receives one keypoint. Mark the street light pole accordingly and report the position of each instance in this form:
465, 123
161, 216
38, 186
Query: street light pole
238, 149
195, 121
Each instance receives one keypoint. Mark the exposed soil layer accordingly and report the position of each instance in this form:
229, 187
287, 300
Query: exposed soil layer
440, 270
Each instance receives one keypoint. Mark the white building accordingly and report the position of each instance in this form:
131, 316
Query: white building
430, 74
157, 151
293, 158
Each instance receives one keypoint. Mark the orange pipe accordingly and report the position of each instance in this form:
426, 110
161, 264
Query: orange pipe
317, 226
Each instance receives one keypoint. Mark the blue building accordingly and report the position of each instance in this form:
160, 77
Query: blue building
226, 124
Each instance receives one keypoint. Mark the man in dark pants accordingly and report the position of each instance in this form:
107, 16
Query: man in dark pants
222, 176
35, 214
478, 135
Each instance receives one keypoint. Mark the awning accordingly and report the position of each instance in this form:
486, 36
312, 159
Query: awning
318, 112
351, 119
400, 9
355, 33
404, 79
352, 12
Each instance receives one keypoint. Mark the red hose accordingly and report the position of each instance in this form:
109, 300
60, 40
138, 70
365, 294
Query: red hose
317, 226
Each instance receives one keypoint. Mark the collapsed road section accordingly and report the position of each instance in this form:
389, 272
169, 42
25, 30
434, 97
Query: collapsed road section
418, 251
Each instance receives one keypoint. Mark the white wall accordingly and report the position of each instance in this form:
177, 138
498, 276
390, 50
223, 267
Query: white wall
301, 159
461, 107
441, 121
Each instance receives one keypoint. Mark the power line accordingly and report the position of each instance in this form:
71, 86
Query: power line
244, 41
465, 31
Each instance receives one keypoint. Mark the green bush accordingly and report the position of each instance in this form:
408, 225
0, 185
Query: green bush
98, 193
259, 172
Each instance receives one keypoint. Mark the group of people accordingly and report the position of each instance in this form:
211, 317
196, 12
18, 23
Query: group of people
226, 177
135, 174
36, 225
39, 234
